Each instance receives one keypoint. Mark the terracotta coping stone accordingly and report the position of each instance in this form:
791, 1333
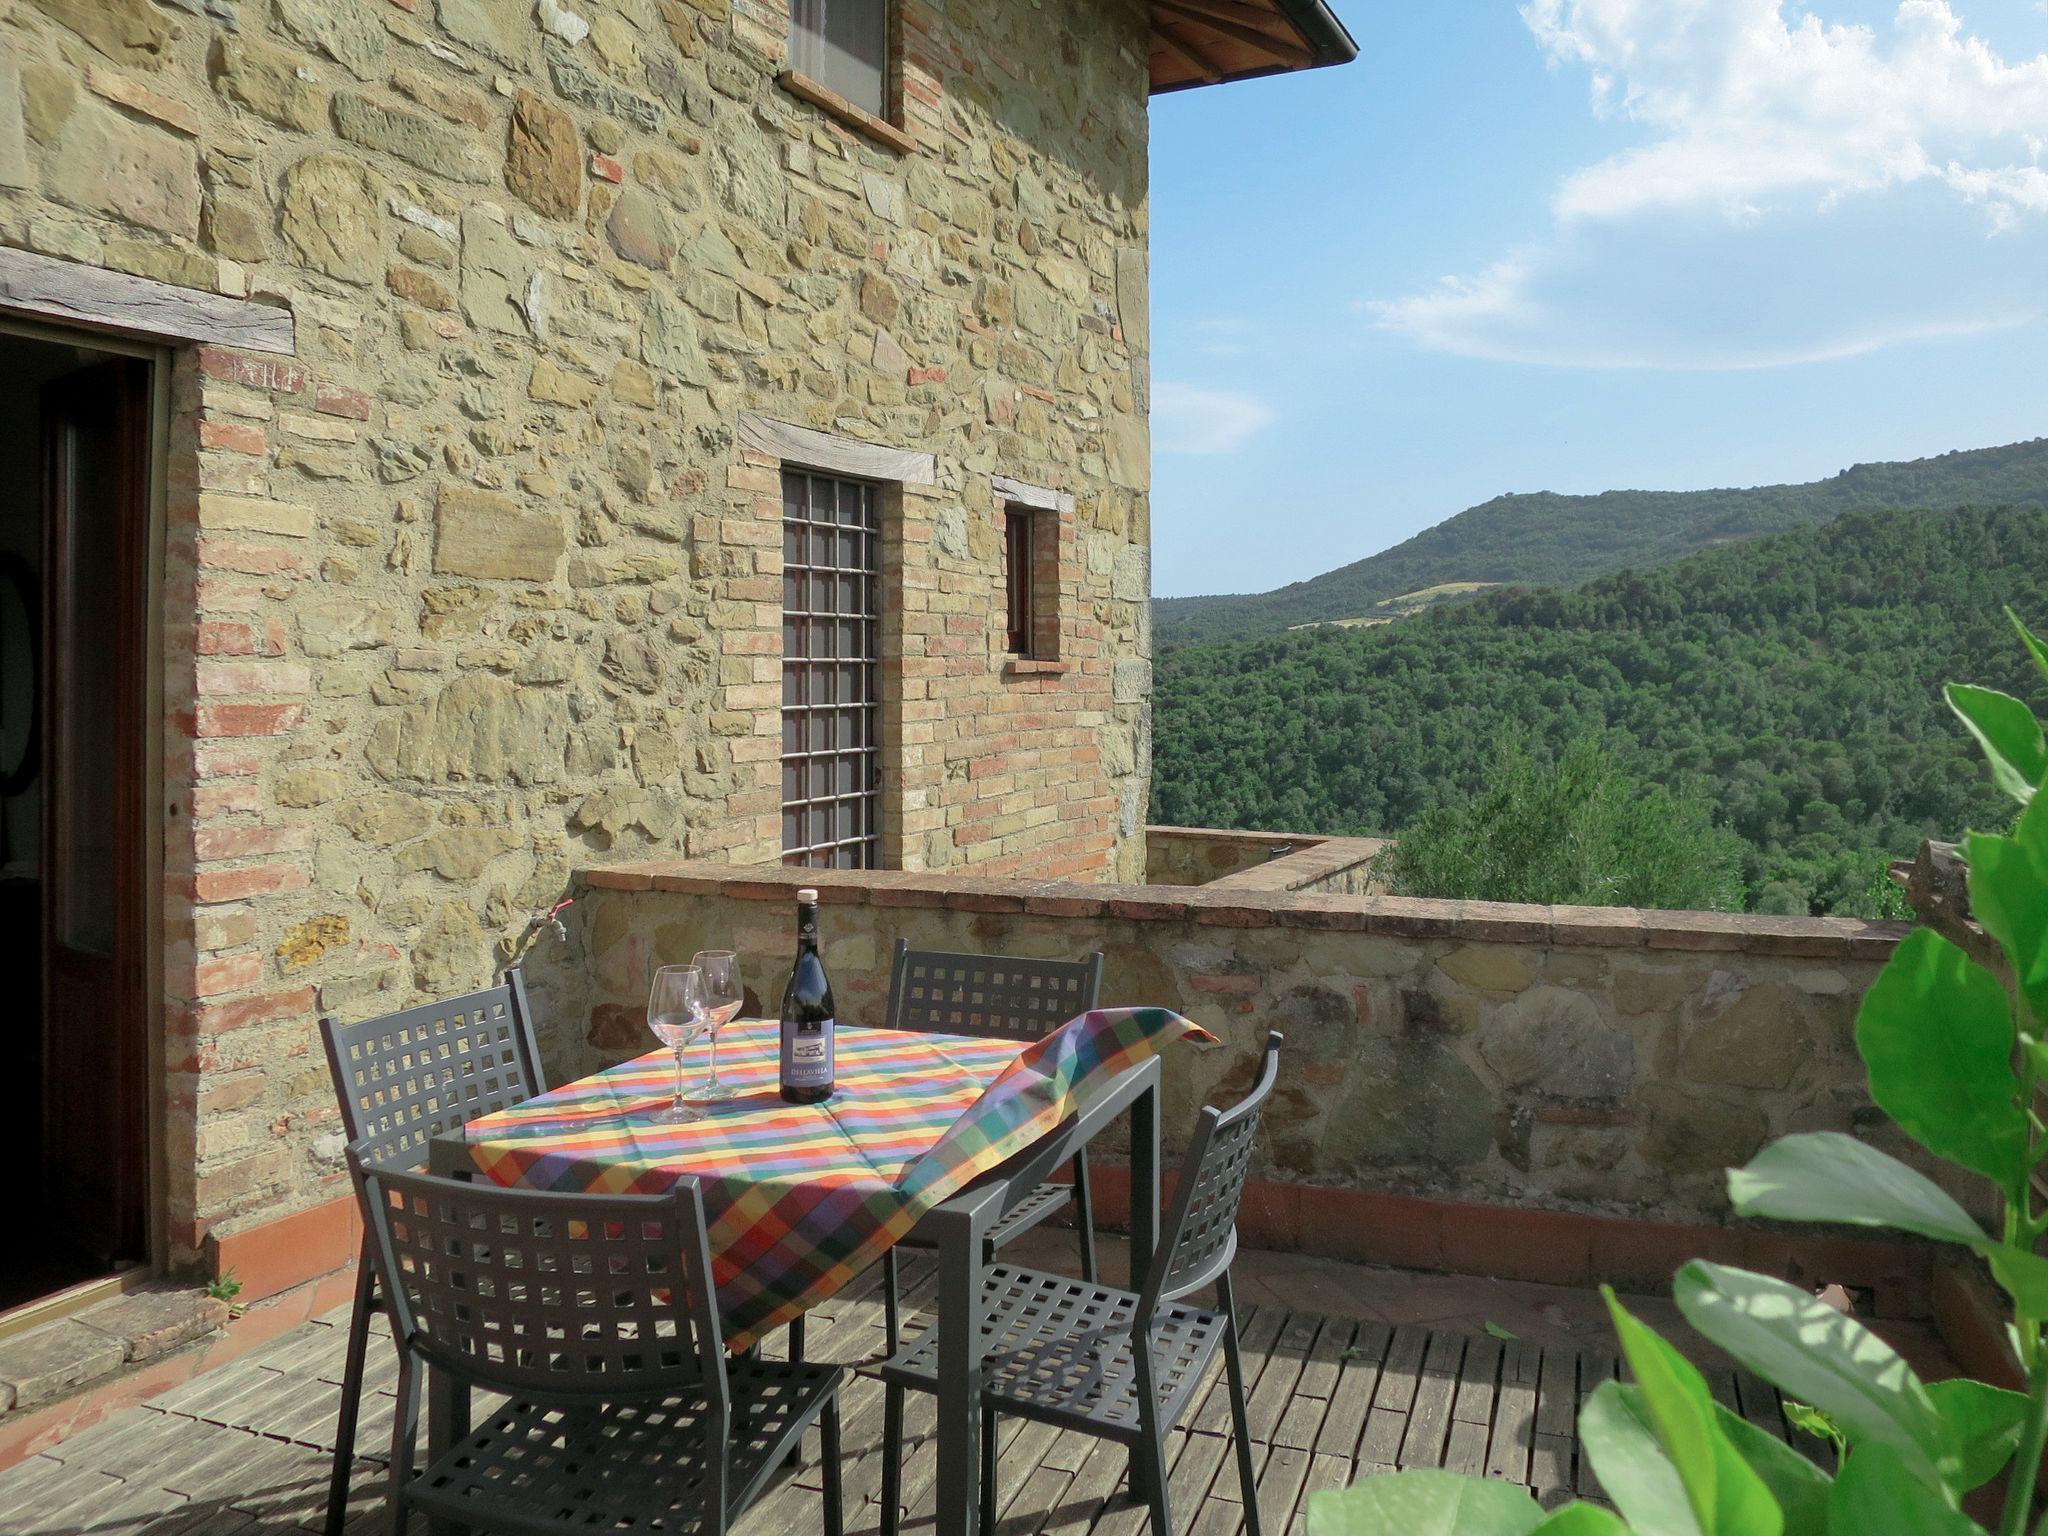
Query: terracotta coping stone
1221, 905
1059, 898
1607, 927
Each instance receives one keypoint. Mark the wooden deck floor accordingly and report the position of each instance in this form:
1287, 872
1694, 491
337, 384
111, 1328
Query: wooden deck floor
244, 1450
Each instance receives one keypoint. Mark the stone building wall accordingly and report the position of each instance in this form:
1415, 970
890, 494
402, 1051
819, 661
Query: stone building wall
1581, 1059
481, 584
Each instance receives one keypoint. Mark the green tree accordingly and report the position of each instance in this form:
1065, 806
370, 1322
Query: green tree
1577, 832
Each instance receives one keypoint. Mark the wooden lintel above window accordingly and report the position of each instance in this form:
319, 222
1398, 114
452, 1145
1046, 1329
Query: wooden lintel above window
1207, 42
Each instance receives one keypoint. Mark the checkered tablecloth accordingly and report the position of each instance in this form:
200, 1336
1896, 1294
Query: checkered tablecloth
801, 1198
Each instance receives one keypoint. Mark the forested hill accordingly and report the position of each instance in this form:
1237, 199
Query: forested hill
1556, 540
1794, 680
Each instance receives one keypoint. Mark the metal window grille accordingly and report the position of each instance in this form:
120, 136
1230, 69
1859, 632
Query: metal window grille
831, 641
1017, 561
844, 46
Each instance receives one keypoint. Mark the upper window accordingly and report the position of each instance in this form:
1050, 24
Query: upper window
1019, 579
843, 45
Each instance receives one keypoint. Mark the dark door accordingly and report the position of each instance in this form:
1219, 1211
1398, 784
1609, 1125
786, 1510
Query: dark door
95, 1044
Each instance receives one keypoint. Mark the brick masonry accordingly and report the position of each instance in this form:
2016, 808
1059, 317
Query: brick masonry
479, 586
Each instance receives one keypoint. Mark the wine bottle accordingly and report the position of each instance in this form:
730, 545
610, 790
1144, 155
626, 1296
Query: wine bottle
807, 1014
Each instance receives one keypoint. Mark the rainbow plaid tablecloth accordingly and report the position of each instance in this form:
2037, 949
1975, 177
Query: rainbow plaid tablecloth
801, 1198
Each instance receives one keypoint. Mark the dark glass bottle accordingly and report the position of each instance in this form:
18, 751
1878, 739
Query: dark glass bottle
807, 1014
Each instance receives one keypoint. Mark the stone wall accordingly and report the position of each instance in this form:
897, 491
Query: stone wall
1585, 1059
1260, 861
481, 584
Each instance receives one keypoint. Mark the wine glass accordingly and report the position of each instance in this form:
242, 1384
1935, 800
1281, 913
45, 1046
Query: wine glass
719, 997
675, 1012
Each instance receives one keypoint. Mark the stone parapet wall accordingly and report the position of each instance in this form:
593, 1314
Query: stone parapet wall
1260, 861
481, 583
1596, 1060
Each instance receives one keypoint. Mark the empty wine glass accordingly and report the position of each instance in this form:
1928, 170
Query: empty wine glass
719, 997
675, 1012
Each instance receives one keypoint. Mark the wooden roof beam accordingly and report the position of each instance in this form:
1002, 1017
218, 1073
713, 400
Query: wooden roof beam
1190, 55
1287, 50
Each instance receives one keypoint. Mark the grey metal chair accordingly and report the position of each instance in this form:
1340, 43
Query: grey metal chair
595, 1315
1106, 1362
403, 1080
1001, 998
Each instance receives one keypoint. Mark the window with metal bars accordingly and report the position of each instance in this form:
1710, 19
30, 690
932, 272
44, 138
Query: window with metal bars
1020, 577
831, 642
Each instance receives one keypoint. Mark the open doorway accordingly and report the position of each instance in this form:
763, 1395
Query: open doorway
74, 1060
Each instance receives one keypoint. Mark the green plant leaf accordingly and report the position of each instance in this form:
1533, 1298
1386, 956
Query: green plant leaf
1726, 1496
1878, 1495
1827, 1176
1936, 1033
2009, 734
2009, 896
1424, 1502
1820, 1356
1983, 1424
2024, 1276
2036, 647
1582, 1520
1618, 1438
1799, 1487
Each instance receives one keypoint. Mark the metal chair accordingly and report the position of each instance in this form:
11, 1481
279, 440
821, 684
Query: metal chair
403, 1080
595, 1315
999, 998
1069, 1354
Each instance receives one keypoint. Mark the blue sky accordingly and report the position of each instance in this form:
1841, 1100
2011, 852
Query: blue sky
1588, 244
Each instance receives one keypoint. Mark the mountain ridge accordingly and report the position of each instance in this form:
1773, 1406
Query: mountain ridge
1548, 538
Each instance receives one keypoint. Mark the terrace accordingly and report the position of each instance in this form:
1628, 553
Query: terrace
1487, 1112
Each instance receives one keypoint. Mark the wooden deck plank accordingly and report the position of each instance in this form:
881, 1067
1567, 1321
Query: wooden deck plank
1429, 1418
1595, 1366
1514, 1414
1557, 1393
1351, 1400
1478, 1380
1265, 1406
1465, 1450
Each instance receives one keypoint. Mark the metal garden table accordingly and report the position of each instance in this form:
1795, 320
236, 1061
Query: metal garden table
956, 1226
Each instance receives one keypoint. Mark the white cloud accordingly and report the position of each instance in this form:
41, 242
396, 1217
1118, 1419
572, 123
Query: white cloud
1752, 122
1189, 419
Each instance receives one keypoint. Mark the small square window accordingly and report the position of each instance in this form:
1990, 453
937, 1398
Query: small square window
843, 45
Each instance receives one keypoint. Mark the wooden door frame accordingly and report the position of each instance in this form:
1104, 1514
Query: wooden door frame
154, 934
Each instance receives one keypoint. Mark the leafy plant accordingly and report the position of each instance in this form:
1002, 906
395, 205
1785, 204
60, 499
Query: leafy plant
1954, 1052
227, 1287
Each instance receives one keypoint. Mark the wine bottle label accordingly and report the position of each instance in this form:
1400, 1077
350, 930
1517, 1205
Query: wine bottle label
807, 1057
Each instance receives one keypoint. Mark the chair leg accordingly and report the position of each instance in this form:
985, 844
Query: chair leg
1233, 1365
405, 1425
796, 1341
892, 1298
351, 1391
1084, 1218
828, 1435
1153, 1453
988, 1472
892, 1459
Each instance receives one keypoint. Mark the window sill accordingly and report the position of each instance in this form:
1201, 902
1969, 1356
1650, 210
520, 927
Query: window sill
1028, 666
836, 106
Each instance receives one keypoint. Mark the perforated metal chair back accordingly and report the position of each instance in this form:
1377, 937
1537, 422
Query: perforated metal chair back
1199, 1238
413, 1075
543, 1294
992, 996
